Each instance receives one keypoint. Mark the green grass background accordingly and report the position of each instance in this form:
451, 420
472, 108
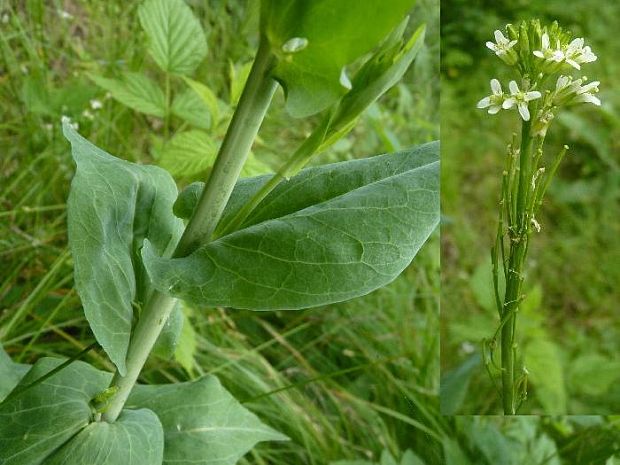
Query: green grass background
569, 330
355, 381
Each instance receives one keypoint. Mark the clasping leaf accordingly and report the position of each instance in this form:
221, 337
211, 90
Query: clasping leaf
113, 205
329, 234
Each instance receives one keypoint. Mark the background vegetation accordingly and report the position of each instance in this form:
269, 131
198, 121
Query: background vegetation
344, 382
569, 321
356, 383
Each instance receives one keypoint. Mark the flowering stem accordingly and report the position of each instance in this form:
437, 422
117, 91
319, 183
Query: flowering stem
518, 233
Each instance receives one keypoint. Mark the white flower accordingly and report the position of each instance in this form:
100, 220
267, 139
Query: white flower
521, 99
573, 54
494, 101
547, 53
96, 104
569, 91
503, 48
576, 53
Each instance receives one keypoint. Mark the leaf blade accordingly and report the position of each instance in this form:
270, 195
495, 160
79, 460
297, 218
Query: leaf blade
112, 206
136, 91
176, 40
135, 438
320, 239
203, 424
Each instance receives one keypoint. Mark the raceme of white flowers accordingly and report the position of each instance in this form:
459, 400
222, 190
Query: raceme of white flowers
538, 54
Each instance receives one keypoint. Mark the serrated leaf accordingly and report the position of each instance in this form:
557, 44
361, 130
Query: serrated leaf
10, 373
188, 153
334, 34
113, 205
331, 233
176, 40
35, 422
203, 424
136, 91
208, 98
135, 438
189, 107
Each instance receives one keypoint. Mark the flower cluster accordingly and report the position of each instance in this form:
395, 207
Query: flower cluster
537, 54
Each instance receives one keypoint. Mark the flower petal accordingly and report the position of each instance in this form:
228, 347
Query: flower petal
493, 109
499, 37
514, 88
524, 111
508, 103
496, 87
539, 54
545, 41
492, 46
532, 95
485, 102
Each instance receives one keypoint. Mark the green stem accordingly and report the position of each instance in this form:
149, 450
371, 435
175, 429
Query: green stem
291, 167
518, 247
251, 110
233, 153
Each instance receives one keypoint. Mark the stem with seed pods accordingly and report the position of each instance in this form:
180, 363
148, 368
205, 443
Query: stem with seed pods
523, 187
253, 105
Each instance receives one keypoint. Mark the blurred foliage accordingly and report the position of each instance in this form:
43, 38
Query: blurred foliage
346, 382
569, 323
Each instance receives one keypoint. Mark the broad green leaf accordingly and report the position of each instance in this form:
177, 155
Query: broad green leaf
113, 205
135, 438
208, 98
188, 153
136, 91
170, 335
203, 424
176, 40
40, 419
329, 234
314, 41
190, 107
10, 373
455, 383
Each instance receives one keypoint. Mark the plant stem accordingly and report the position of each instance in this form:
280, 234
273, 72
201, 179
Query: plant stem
518, 233
233, 153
